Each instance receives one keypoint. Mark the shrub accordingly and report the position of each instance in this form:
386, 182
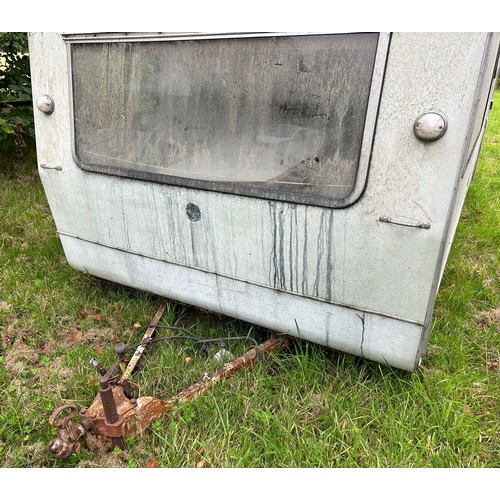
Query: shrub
16, 110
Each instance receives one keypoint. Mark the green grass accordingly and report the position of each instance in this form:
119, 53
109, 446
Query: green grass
303, 407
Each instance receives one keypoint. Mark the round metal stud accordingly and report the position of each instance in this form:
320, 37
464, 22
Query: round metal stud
45, 104
430, 126
193, 212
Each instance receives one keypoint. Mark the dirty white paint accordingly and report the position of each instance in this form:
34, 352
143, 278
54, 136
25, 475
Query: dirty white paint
338, 277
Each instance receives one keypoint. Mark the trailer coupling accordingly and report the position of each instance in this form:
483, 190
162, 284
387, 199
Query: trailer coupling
115, 413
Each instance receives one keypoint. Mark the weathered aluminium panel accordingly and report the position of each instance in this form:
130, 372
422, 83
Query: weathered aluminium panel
361, 278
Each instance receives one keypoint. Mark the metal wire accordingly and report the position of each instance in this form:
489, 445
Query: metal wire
196, 340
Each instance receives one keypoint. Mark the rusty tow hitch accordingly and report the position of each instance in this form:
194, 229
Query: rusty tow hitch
69, 433
115, 413
101, 418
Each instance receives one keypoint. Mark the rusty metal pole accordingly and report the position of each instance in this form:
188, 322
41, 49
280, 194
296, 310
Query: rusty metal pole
243, 362
115, 425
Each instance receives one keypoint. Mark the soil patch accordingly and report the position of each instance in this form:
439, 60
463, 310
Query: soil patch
20, 357
488, 318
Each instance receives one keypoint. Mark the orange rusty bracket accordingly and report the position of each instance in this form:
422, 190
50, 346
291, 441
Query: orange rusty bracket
114, 414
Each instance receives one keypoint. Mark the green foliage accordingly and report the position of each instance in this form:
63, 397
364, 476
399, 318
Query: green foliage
15, 84
16, 113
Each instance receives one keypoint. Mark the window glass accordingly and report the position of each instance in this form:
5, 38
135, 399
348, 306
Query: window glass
280, 117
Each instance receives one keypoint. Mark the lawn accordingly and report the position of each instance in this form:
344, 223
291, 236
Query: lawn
305, 406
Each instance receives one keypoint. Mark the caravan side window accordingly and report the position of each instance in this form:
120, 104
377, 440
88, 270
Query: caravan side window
276, 117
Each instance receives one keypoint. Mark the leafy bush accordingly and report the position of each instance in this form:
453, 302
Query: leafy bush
16, 111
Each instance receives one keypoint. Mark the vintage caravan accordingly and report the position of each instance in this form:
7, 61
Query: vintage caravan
307, 183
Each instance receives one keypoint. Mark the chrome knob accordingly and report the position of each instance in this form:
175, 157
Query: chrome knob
430, 126
45, 104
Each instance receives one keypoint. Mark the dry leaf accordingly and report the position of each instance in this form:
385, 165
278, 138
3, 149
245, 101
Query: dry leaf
77, 336
83, 314
452, 286
187, 360
98, 317
467, 410
137, 325
152, 464
492, 364
201, 464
